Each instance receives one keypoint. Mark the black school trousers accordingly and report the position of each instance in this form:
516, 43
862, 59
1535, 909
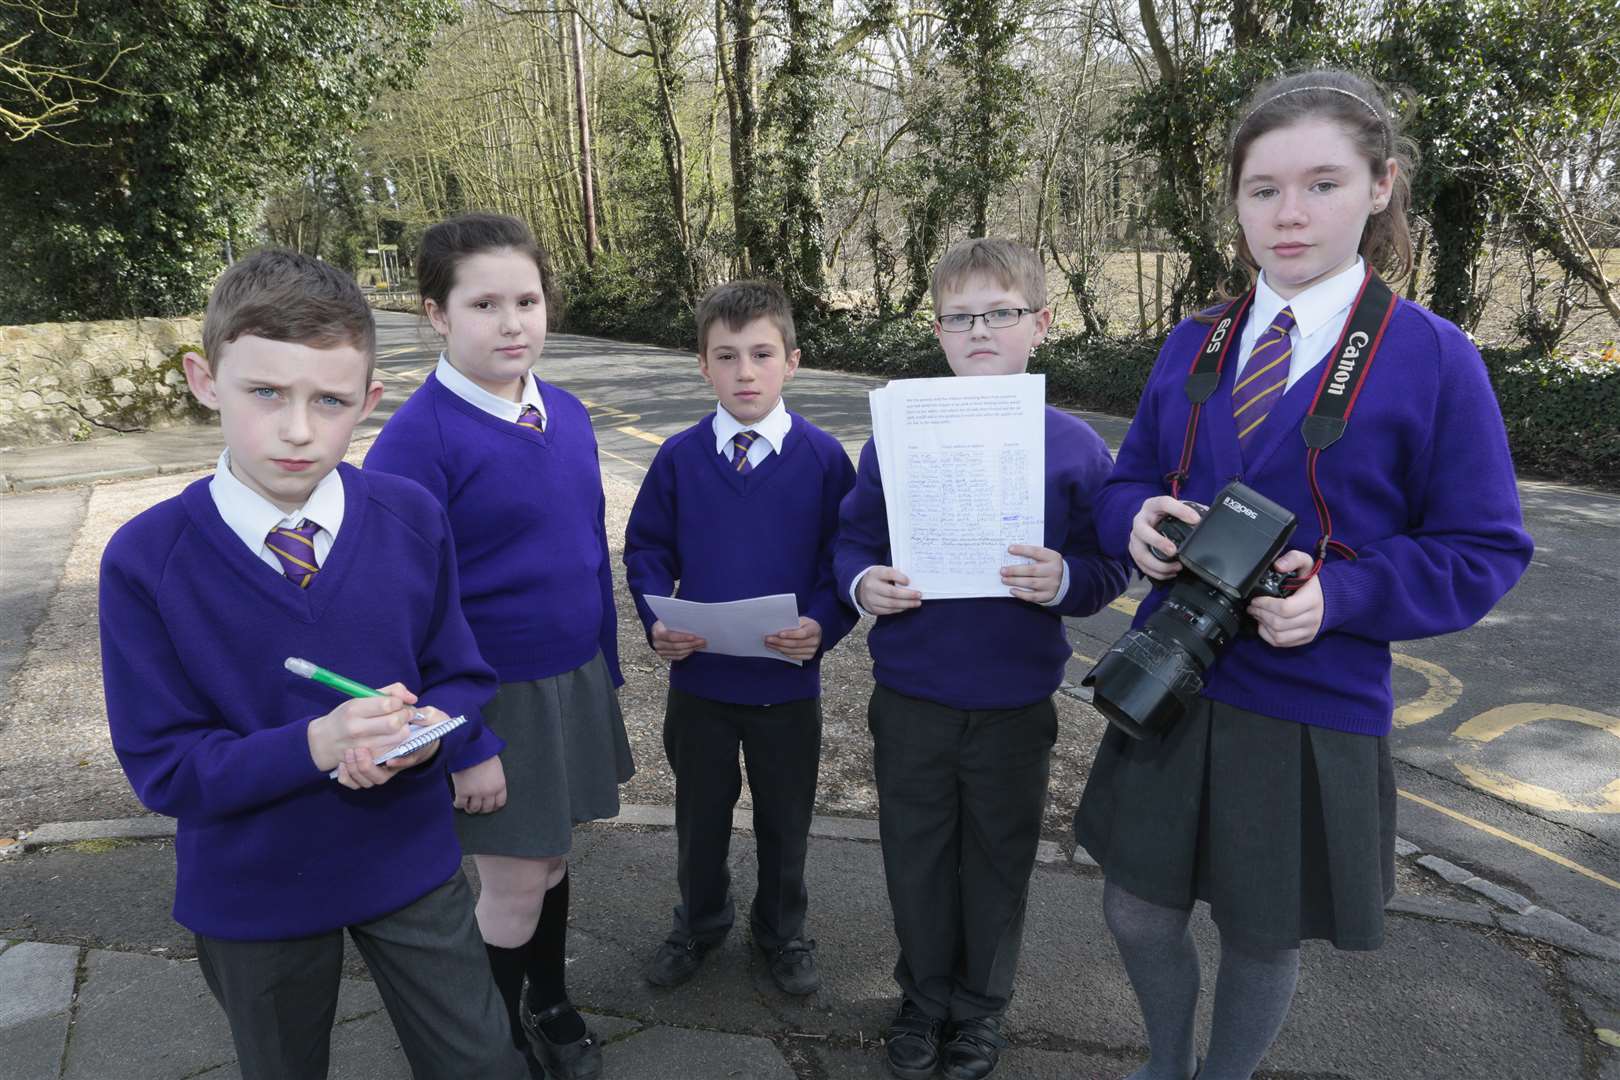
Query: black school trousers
781, 745
961, 796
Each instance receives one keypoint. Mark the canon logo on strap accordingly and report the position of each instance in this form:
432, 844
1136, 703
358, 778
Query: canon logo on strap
1347, 363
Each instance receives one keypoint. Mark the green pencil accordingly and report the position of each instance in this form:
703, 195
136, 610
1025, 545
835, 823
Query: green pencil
329, 678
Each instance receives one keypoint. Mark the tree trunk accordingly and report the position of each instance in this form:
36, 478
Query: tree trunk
587, 196
742, 107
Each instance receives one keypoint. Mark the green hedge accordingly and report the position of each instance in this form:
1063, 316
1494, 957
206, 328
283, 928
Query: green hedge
1562, 413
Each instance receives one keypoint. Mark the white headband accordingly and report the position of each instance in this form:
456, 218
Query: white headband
1306, 89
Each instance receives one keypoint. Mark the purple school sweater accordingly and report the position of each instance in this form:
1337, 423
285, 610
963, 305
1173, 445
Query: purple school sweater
1421, 486
725, 536
988, 652
211, 729
527, 511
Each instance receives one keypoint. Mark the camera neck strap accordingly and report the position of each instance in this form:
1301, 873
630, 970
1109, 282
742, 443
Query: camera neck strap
1343, 374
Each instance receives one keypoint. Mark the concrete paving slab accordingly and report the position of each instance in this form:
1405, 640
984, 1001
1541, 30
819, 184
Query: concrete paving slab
615, 930
712, 1055
610, 1029
35, 980
125, 999
32, 1050
36, 995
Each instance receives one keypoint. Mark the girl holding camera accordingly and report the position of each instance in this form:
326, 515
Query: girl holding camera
1273, 800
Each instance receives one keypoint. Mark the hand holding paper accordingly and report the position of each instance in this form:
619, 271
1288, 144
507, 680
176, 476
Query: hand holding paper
798, 644
883, 592
963, 461
734, 628
674, 645
1038, 580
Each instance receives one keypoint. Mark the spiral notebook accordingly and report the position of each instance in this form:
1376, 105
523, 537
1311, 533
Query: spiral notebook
420, 736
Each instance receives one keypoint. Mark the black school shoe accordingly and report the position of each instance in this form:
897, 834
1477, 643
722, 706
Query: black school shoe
913, 1043
973, 1049
793, 967
675, 962
577, 1060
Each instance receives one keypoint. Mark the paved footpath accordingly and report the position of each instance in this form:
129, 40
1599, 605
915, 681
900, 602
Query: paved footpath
1475, 980
106, 986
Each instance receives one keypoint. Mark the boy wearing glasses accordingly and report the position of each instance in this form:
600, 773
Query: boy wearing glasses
962, 717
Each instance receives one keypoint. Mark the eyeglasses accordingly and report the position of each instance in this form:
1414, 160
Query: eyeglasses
999, 319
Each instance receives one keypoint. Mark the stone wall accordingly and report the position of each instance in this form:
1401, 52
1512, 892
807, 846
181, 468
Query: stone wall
68, 381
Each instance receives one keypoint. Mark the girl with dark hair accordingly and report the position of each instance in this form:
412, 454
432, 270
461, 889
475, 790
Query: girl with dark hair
514, 461
1273, 799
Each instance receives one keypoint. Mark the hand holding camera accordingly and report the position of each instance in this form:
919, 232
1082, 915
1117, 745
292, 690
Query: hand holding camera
1147, 544
1295, 619
1226, 563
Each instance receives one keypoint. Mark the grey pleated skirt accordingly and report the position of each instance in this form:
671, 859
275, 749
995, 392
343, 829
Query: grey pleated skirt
566, 755
1287, 831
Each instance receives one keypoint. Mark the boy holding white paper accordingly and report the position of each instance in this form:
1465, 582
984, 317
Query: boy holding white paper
286, 551
962, 717
742, 504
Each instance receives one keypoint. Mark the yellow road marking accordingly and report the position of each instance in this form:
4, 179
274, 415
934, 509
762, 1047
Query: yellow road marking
1126, 605
1495, 722
616, 457
1537, 849
647, 436
1443, 692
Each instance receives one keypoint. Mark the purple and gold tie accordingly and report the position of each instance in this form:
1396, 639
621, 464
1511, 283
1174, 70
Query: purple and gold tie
295, 549
739, 459
531, 418
1263, 379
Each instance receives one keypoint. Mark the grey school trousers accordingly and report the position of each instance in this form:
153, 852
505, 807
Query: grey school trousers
431, 970
961, 795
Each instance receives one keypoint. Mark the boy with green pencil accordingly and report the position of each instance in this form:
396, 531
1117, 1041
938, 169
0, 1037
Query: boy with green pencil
285, 551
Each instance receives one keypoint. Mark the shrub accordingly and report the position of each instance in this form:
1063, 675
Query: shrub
1562, 413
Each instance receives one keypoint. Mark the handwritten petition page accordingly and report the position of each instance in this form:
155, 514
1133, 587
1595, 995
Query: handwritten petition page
964, 464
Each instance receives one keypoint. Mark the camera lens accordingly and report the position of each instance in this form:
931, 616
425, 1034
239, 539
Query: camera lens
1150, 677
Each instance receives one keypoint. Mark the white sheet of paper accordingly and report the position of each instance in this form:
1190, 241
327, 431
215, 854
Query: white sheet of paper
963, 461
735, 627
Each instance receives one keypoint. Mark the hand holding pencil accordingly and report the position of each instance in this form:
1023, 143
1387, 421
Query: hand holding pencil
348, 739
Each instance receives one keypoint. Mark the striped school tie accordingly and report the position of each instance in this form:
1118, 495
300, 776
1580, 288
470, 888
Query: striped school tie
531, 418
739, 459
295, 548
1264, 378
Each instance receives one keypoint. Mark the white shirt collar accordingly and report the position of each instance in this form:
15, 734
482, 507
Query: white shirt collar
1314, 307
773, 428
475, 395
251, 516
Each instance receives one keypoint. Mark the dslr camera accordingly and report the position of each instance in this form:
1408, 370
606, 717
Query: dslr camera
1150, 677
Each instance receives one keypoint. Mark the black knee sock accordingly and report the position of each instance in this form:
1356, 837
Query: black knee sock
507, 967
548, 954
